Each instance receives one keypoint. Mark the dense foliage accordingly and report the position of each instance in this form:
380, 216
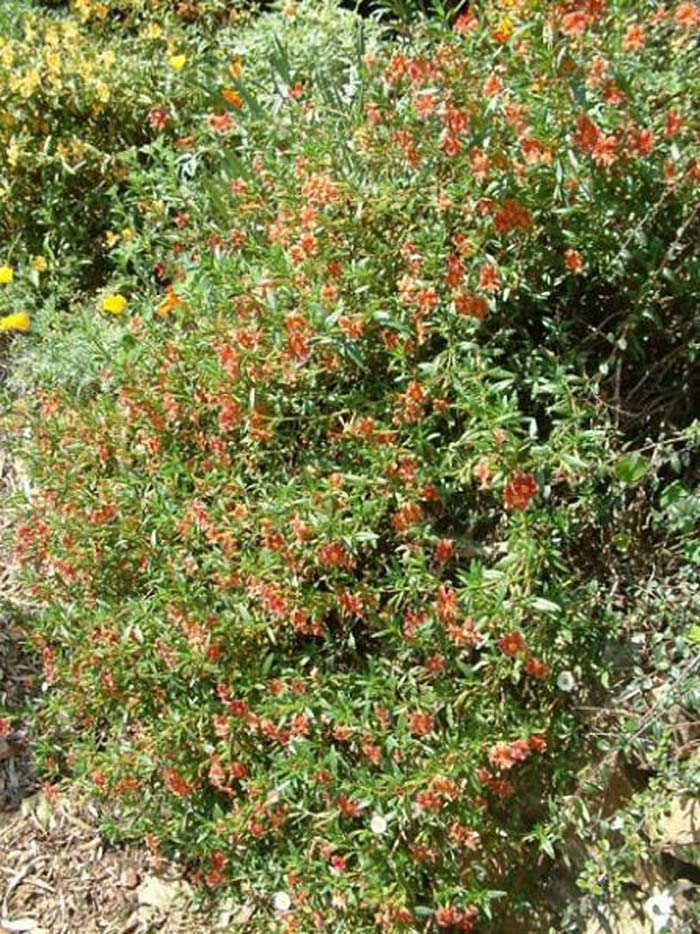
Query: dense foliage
395, 353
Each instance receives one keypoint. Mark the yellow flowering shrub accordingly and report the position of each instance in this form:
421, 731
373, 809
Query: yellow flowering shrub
74, 102
104, 11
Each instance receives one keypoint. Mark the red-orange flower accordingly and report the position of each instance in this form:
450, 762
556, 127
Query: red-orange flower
673, 123
512, 643
687, 15
641, 141
536, 668
471, 306
501, 757
158, 117
573, 260
574, 23
489, 278
420, 724
605, 150
587, 134
444, 549
635, 38
521, 489
348, 806
220, 123
177, 783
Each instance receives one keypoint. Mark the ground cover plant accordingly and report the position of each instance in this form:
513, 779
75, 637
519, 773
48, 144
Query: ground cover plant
392, 356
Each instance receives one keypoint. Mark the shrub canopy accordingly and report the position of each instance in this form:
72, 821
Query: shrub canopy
350, 513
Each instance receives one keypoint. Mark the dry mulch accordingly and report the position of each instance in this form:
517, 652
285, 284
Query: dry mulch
57, 876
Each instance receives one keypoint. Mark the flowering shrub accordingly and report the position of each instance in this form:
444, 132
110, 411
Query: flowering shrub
127, 13
321, 561
78, 105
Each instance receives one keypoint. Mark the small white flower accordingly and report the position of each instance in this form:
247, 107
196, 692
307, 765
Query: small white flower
659, 910
282, 902
377, 824
566, 681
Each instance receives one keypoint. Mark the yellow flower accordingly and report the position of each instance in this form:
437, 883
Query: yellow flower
235, 69
152, 31
53, 63
20, 321
6, 275
13, 152
8, 56
102, 91
178, 62
40, 264
29, 83
115, 304
505, 27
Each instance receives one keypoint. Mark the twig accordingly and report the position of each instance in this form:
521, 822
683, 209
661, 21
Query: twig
18, 879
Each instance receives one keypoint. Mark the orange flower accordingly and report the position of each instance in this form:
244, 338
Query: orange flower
489, 278
171, 301
493, 85
176, 783
420, 724
348, 806
479, 163
574, 23
408, 515
512, 216
335, 554
605, 151
501, 757
687, 15
511, 644
471, 306
641, 141
635, 38
465, 23
444, 549
573, 261
673, 123
587, 134
536, 668
521, 489
233, 97
597, 72
220, 123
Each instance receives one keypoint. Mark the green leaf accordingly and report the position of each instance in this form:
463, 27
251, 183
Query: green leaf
694, 635
630, 468
547, 606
